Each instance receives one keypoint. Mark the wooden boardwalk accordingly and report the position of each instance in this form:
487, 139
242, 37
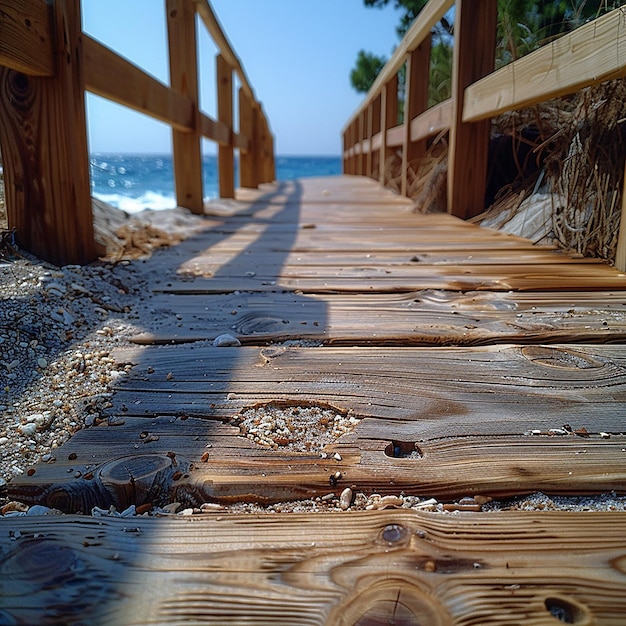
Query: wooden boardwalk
465, 362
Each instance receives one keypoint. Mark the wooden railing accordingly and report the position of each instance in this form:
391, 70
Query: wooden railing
593, 53
47, 63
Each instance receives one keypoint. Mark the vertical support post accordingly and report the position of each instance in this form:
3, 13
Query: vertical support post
415, 103
360, 159
388, 119
181, 31
248, 176
375, 108
369, 170
474, 57
225, 154
43, 131
267, 143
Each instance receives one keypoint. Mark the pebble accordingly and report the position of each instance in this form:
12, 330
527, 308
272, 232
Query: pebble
42, 363
345, 500
28, 429
39, 509
226, 340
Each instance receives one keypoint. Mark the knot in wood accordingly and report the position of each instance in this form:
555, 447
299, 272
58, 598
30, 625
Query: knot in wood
20, 90
393, 533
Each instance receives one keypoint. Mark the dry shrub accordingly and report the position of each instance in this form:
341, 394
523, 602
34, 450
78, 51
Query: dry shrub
427, 184
586, 167
579, 143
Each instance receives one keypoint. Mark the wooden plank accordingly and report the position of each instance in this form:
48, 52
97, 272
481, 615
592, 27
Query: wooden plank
215, 130
493, 421
432, 121
382, 566
591, 54
43, 134
187, 158
474, 57
113, 77
26, 34
226, 163
412, 319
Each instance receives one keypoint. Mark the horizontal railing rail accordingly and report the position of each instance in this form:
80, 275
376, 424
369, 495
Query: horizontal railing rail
593, 53
46, 65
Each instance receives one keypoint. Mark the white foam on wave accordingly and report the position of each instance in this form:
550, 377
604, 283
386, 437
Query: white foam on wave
149, 200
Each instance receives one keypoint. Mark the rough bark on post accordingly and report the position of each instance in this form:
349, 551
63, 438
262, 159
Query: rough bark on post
416, 102
474, 54
181, 29
226, 167
44, 145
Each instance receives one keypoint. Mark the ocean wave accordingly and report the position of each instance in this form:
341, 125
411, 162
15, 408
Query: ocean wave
149, 200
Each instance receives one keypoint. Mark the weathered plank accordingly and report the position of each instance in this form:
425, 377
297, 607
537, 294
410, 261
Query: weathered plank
403, 566
418, 318
492, 421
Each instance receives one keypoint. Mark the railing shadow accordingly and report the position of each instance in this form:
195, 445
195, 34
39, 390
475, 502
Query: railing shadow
148, 474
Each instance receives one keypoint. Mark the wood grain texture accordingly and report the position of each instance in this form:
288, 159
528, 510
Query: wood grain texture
26, 36
484, 420
43, 134
504, 569
519, 414
431, 317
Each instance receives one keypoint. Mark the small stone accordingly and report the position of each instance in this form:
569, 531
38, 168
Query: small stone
337, 456
345, 500
42, 363
39, 509
226, 340
28, 429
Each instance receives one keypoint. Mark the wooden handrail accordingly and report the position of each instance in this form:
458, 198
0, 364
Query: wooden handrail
593, 53
46, 65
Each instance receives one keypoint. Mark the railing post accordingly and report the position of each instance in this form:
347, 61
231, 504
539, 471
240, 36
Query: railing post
415, 103
375, 108
474, 54
248, 176
360, 161
226, 165
388, 119
267, 150
181, 30
43, 132
369, 132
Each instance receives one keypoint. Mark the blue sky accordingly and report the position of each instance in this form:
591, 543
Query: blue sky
297, 55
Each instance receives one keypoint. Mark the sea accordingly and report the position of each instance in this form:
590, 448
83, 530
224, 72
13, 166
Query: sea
134, 182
